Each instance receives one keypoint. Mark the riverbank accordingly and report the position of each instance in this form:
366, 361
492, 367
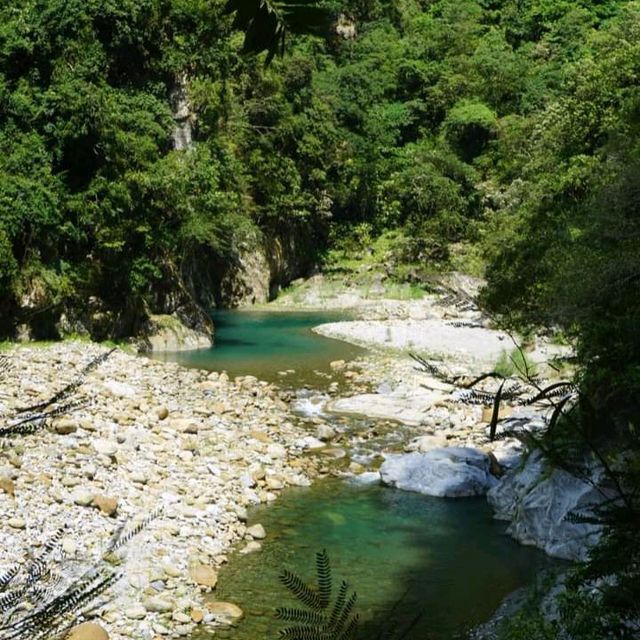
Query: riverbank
446, 329
147, 435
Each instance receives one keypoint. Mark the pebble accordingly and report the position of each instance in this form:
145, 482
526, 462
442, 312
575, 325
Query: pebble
108, 506
105, 447
225, 611
158, 605
257, 531
251, 547
88, 631
137, 612
204, 576
17, 523
82, 497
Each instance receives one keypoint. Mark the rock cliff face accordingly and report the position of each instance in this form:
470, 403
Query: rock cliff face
175, 315
539, 502
263, 267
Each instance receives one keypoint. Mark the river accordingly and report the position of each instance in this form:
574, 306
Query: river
404, 554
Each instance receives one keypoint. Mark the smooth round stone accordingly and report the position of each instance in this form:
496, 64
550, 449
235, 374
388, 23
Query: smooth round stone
17, 523
137, 612
204, 575
257, 531
158, 605
172, 571
251, 547
225, 611
88, 631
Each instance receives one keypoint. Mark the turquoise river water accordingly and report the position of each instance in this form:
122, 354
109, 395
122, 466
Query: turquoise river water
403, 553
263, 343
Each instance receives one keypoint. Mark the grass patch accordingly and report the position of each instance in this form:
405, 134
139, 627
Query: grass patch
515, 363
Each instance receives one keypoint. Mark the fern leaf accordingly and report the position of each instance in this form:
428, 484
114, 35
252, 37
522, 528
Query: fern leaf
303, 617
323, 569
341, 598
7, 577
344, 615
493, 425
351, 629
300, 590
305, 633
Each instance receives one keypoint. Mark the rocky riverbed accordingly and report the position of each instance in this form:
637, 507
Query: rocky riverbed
203, 448
446, 450
146, 436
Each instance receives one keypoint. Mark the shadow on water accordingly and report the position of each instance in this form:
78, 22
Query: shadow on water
445, 558
263, 343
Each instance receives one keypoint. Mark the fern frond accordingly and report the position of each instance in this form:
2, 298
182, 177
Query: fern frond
351, 629
7, 577
305, 633
323, 569
339, 604
299, 615
346, 612
300, 590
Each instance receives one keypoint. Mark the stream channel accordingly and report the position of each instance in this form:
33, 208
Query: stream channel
403, 553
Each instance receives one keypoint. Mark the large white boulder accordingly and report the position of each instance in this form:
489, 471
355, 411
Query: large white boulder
408, 408
539, 500
450, 472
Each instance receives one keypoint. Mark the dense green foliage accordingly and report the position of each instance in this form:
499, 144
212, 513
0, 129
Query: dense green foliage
502, 129
97, 206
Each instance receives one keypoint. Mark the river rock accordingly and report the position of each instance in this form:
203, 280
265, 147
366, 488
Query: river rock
251, 547
204, 576
452, 472
158, 605
136, 612
119, 389
411, 409
225, 612
426, 443
309, 442
108, 506
65, 426
538, 499
17, 523
325, 432
88, 631
257, 532
8, 486
105, 447
508, 452
197, 615
82, 497
276, 451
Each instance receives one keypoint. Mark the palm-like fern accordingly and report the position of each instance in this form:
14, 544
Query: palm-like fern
41, 598
319, 620
29, 420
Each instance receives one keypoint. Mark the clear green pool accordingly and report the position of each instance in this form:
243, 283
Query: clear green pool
446, 558
263, 343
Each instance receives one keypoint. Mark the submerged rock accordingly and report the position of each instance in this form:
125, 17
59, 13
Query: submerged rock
452, 472
225, 612
538, 501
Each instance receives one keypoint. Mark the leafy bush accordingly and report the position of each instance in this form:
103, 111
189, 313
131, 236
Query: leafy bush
469, 127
